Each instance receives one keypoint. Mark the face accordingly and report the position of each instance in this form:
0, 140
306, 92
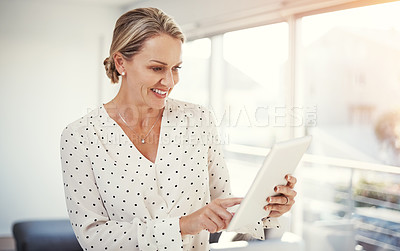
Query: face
152, 73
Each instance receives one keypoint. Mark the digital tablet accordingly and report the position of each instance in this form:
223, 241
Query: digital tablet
281, 160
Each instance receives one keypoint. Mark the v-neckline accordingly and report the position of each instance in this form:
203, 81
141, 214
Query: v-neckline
130, 141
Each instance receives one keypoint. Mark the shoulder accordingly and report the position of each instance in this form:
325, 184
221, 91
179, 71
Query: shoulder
190, 114
194, 110
83, 123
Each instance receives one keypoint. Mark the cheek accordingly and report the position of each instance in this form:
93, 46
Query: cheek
150, 79
176, 78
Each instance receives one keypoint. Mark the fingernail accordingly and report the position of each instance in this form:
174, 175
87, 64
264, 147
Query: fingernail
268, 199
276, 189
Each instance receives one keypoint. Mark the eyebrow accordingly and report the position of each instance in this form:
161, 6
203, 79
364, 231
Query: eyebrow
159, 62
163, 63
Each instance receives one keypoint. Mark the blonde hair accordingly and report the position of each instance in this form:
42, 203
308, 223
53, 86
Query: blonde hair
133, 29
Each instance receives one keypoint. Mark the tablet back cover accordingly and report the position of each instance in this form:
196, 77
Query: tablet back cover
283, 159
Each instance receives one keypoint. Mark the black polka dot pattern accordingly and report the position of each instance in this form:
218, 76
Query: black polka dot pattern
119, 200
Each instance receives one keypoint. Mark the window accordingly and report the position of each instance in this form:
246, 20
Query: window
194, 77
252, 97
350, 65
348, 69
253, 85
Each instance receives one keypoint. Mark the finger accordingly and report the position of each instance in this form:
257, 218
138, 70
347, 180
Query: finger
209, 225
291, 180
218, 222
220, 211
229, 202
274, 214
277, 210
278, 200
286, 190
278, 207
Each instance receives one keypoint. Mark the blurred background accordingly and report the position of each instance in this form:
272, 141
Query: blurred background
270, 70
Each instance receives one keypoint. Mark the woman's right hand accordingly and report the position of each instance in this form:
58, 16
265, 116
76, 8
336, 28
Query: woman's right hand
213, 217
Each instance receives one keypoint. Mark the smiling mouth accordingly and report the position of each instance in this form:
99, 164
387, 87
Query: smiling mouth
159, 92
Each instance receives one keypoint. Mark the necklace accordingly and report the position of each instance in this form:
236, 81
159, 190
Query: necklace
122, 118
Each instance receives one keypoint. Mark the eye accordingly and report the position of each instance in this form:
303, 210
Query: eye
157, 69
177, 68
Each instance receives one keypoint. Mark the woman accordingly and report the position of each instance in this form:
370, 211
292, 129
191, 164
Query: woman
144, 172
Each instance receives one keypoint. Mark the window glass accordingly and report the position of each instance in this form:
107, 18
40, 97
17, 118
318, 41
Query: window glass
194, 76
253, 86
252, 98
350, 70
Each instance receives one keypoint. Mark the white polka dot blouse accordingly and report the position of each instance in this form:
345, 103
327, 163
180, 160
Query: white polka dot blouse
119, 200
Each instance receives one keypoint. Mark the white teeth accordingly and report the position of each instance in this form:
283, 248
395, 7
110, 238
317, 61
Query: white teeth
159, 91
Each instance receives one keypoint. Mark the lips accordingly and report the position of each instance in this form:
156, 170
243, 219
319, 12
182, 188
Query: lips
159, 93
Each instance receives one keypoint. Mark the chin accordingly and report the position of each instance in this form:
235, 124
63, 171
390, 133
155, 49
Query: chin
160, 104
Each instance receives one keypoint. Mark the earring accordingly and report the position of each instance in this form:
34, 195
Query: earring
123, 73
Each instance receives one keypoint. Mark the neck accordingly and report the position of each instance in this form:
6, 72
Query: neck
135, 114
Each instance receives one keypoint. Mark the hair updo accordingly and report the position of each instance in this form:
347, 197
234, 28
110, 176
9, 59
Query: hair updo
132, 30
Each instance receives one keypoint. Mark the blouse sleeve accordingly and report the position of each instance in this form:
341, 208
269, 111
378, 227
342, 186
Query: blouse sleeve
218, 172
89, 218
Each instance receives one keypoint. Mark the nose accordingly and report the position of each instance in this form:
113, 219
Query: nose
168, 80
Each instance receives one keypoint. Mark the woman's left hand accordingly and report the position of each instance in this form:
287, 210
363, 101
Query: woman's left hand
280, 204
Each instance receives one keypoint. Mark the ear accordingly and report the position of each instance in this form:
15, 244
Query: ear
119, 62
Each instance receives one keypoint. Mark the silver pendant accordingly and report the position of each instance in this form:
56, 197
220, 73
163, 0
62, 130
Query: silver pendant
142, 141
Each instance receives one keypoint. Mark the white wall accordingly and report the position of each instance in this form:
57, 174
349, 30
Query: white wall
50, 69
